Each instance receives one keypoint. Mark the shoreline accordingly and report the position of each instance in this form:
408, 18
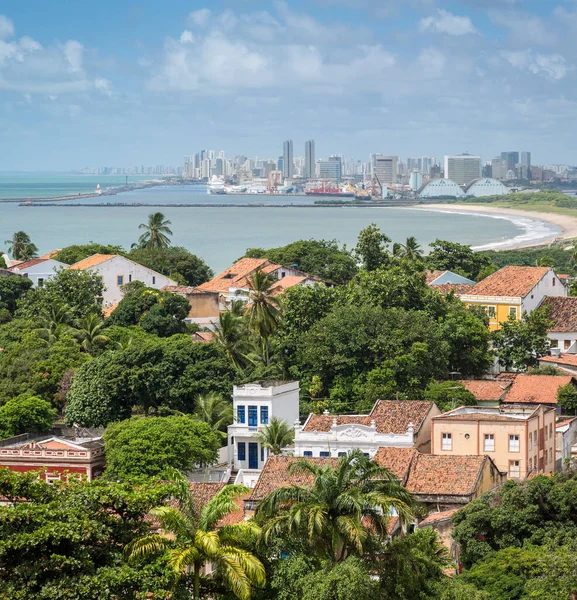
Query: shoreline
566, 223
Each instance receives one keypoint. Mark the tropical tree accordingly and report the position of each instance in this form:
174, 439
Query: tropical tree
411, 249
276, 436
58, 322
262, 312
89, 332
190, 539
340, 508
214, 410
21, 247
230, 336
156, 232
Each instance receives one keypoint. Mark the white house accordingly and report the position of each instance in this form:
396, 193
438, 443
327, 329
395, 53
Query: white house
38, 270
391, 423
115, 271
255, 404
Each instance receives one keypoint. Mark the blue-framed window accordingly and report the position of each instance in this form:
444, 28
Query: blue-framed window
325, 454
253, 416
308, 453
119, 280
240, 414
241, 450
264, 415
342, 454
261, 454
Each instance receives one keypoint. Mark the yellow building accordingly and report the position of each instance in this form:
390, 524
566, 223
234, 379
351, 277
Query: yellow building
512, 291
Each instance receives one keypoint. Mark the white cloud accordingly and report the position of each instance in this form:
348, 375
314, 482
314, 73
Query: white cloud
6, 28
446, 22
74, 53
524, 28
29, 45
186, 37
553, 66
103, 86
200, 17
432, 62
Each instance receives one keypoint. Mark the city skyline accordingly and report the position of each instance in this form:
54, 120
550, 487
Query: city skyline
360, 77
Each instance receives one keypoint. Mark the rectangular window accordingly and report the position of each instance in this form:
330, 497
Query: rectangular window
514, 469
512, 312
99, 300
514, 443
264, 415
342, 454
567, 344
129, 278
153, 280
40, 282
550, 429
492, 312
325, 454
119, 280
241, 414
261, 454
308, 453
553, 280
241, 450
535, 438
253, 416
447, 442
530, 442
489, 443
554, 343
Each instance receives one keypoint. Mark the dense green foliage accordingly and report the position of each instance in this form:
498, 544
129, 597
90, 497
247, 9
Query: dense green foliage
21, 246
146, 447
458, 258
448, 395
321, 258
26, 414
567, 398
77, 252
157, 312
12, 288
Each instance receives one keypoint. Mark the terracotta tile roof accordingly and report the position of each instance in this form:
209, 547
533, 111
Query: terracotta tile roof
109, 310
457, 288
438, 516
50, 254
486, 389
432, 275
236, 275
509, 376
538, 389
445, 475
91, 261
396, 460
510, 281
27, 264
203, 336
565, 421
564, 359
275, 474
390, 416
178, 289
563, 312
279, 287
392, 525
479, 416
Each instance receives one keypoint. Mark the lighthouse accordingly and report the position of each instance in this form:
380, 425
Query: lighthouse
98, 190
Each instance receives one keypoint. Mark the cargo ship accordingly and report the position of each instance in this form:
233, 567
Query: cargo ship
328, 190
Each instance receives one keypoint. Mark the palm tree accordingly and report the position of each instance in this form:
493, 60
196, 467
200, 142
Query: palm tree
411, 249
58, 322
230, 336
191, 539
340, 509
276, 436
156, 233
21, 247
89, 332
262, 311
214, 410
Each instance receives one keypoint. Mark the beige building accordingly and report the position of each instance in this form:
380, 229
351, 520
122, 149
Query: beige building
520, 439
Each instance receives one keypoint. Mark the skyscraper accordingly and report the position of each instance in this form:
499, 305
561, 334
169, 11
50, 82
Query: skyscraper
525, 165
288, 159
310, 163
385, 168
511, 158
462, 168
331, 169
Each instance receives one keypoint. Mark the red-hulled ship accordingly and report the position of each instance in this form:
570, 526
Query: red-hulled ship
326, 190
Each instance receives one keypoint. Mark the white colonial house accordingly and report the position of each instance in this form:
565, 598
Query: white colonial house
38, 270
255, 404
391, 423
115, 271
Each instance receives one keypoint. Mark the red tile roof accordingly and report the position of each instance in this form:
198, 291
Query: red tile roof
390, 416
563, 313
510, 281
438, 516
396, 460
537, 389
457, 288
178, 289
445, 475
51, 254
432, 275
280, 286
21, 266
203, 336
236, 276
564, 359
486, 389
91, 261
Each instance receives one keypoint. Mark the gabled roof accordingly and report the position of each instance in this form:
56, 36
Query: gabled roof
510, 281
563, 313
92, 261
51, 254
22, 266
445, 475
432, 274
280, 286
486, 389
564, 359
390, 416
536, 389
396, 460
437, 517
236, 275
457, 288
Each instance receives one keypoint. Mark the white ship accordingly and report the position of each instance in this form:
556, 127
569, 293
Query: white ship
215, 186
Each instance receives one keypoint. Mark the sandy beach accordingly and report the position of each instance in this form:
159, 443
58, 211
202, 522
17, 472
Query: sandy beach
567, 224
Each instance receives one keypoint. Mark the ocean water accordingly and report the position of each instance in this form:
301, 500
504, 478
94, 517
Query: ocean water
221, 234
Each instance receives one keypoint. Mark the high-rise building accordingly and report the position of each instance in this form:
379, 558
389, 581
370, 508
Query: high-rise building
331, 169
310, 162
525, 165
511, 159
385, 168
462, 168
416, 180
288, 159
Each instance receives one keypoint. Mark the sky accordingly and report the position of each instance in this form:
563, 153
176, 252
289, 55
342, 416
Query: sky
131, 82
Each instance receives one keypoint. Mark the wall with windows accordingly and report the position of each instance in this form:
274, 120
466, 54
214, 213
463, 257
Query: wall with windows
41, 272
497, 309
563, 341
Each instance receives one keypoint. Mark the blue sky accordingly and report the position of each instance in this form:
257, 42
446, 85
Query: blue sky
129, 82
